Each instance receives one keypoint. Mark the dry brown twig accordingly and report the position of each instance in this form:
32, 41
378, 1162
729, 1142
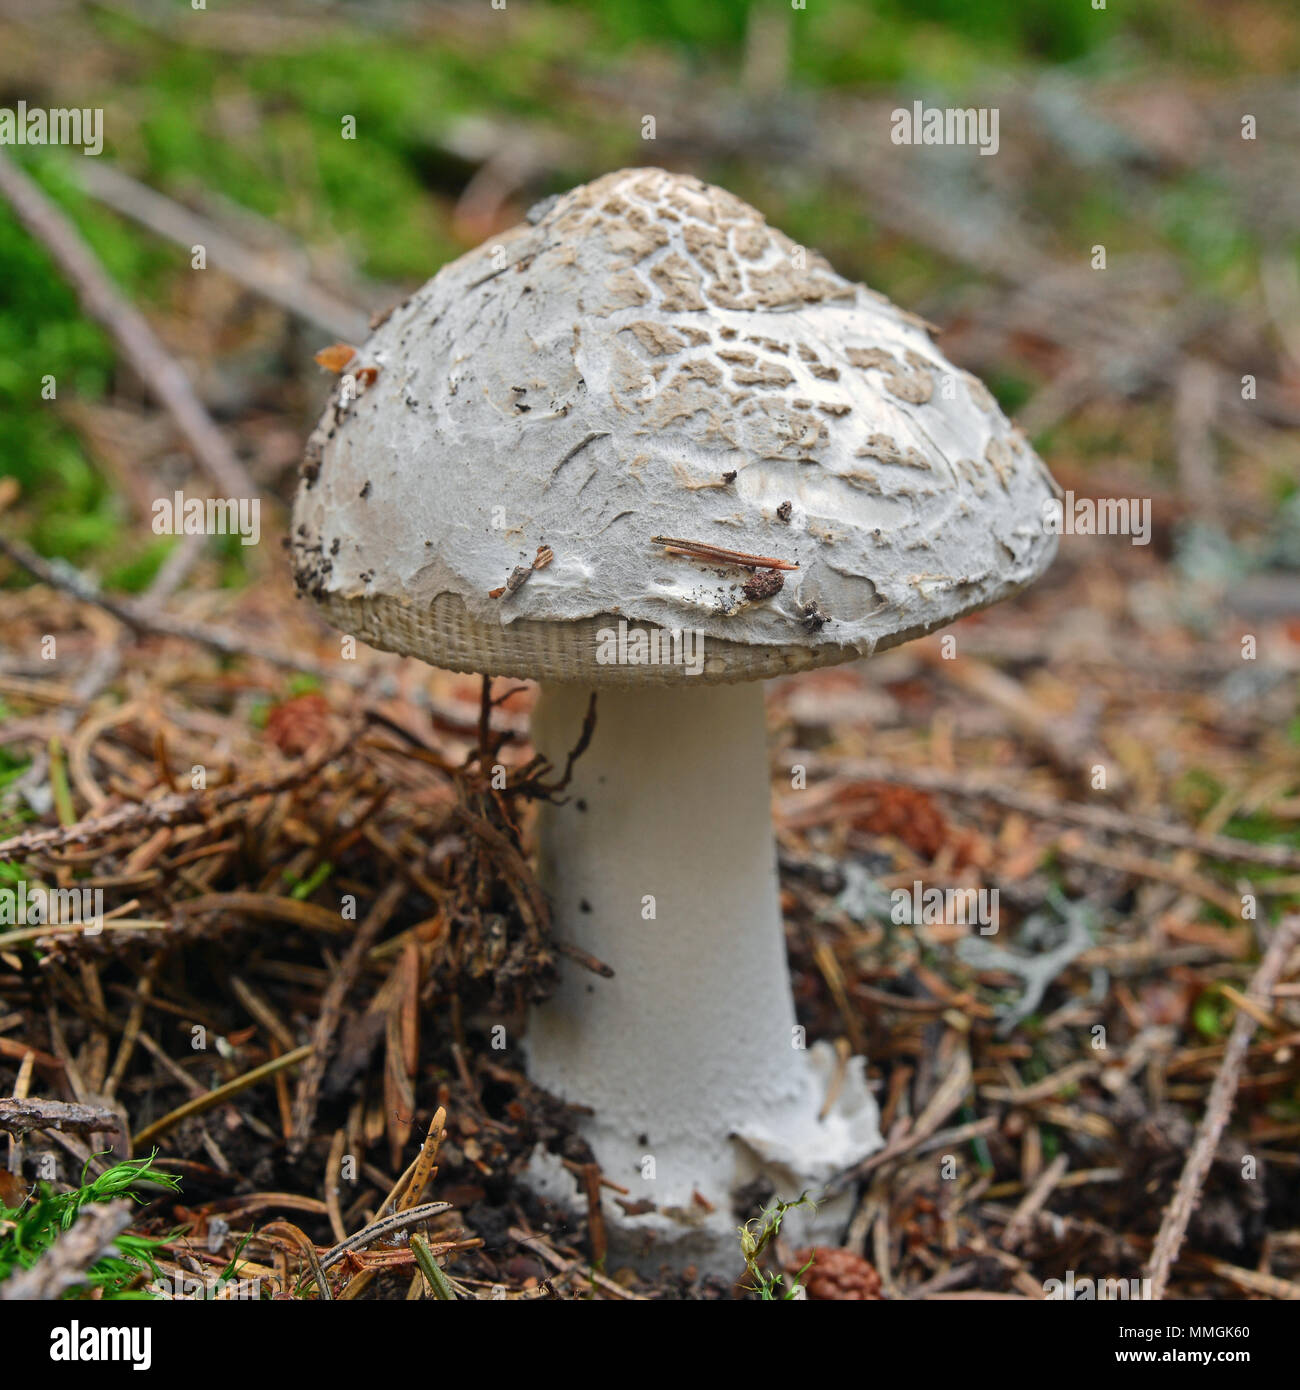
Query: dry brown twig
295, 1238
945, 1100
276, 278
144, 618
1034, 1200
19, 1116
176, 807
538, 1246
219, 1094
331, 1011
1218, 1108
157, 368
106, 665
424, 1170
383, 1226
976, 788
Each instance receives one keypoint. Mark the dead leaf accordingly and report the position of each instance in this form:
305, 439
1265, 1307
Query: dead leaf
335, 357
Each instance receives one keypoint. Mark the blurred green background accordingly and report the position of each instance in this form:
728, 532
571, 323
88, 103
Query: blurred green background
1118, 126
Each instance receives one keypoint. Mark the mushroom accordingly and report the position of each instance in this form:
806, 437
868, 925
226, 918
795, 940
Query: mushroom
645, 358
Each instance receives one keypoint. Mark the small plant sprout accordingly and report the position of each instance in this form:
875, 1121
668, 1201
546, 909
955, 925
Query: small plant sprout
887, 507
755, 1236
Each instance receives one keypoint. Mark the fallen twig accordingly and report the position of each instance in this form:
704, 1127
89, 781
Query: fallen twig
208, 1099
157, 369
19, 1116
273, 278
1223, 1094
539, 1247
144, 618
383, 1226
1033, 1201
425, 1161
174, 807
976, 788
331, 1008
944, 1101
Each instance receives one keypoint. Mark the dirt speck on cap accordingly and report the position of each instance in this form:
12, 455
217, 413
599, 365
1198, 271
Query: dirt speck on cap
763, 584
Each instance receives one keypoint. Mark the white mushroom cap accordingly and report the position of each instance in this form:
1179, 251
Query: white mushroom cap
595, 377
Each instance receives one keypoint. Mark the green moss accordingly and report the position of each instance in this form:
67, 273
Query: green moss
28, 1230
133, 576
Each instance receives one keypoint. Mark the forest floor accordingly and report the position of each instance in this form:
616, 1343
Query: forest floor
1116, 751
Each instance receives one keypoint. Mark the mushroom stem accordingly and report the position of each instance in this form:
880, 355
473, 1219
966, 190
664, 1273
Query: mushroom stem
661, 863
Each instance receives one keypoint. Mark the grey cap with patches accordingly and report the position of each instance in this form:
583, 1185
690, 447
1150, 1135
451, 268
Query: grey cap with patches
643, 358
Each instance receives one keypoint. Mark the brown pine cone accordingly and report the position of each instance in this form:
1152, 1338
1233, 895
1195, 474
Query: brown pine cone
837, 1274
297, 725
